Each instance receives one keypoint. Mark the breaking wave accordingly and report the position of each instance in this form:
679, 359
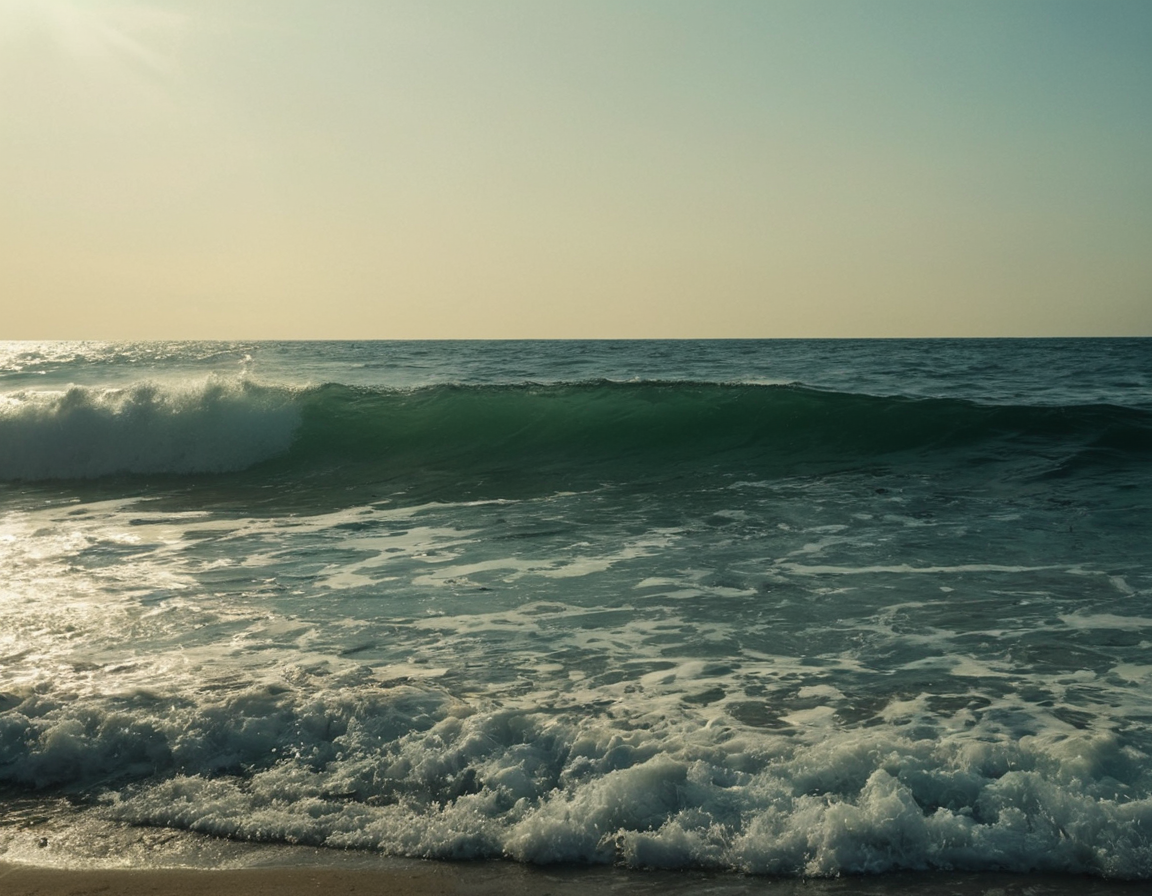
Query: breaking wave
84, 433
565, 432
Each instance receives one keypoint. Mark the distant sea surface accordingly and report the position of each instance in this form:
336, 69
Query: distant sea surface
800, 608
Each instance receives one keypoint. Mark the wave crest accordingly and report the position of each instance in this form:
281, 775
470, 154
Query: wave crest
560, 434
82, 433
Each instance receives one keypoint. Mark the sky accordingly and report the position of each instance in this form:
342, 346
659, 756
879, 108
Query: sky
187, 169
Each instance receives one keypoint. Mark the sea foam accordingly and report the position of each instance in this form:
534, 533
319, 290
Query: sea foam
212, 426
410, 770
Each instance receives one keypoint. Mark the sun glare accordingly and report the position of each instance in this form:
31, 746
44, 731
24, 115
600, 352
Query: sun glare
95, 33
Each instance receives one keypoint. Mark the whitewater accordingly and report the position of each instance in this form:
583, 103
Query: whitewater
800, 608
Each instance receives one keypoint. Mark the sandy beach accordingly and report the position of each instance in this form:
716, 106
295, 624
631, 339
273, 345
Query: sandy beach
491, 878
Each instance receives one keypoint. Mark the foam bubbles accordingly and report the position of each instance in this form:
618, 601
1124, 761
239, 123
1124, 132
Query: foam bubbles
409, 770
216, 425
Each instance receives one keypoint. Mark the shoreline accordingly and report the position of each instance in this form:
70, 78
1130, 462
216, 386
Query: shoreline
47, 853
411, 877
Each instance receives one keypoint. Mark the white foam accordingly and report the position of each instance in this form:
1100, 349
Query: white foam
1088, 621
214, 425
410, 771
203, 673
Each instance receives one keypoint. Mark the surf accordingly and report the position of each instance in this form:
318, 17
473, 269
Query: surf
564, 432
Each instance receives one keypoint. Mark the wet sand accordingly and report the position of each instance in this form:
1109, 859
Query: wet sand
505, 879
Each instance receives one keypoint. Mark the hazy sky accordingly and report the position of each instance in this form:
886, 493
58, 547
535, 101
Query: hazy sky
374, 169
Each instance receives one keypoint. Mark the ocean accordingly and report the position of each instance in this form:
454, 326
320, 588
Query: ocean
796, 608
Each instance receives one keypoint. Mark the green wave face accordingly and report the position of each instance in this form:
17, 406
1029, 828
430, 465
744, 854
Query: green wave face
485, 437
450, 442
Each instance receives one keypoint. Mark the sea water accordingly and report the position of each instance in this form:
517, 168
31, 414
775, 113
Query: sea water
800, 608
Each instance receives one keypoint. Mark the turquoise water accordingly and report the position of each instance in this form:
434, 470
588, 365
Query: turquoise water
800, 608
